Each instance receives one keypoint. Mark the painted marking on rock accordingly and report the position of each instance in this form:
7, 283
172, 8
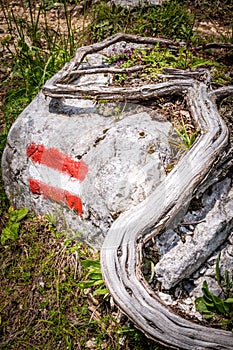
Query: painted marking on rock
56, 176
56, 194
55, 159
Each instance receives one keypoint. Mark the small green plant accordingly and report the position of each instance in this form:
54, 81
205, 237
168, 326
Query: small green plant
187, 138
11, 229
211, 305
94, 277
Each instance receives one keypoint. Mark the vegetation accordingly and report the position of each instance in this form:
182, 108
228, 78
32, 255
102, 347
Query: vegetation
42, 305
11, 229
93, 277
52, 292
170, 20
155, 61
216, 307
187, 138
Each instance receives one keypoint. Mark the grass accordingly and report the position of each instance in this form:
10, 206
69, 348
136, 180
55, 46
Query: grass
43, 303
169, 20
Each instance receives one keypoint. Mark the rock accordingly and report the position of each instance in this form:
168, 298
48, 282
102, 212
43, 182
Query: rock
136, 3
230, 239
167, 240
84, 162
212, 284
166, 298
186, 257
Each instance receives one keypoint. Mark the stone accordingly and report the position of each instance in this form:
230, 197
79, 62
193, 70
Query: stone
84, 162
186, 257
213, 286
136, 3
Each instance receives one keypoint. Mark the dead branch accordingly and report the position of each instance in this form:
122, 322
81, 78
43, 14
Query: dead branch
222, 93
214, 46
107, 70
71, 68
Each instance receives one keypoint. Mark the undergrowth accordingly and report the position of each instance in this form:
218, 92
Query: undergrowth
42, 304
170, 20
218, 307
155, 61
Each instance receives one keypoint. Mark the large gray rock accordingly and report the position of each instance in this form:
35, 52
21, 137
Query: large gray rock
85, 163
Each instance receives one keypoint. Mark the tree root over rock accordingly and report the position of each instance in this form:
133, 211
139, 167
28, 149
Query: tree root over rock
121, 254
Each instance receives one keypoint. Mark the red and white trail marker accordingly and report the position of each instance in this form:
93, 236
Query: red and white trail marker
56, 176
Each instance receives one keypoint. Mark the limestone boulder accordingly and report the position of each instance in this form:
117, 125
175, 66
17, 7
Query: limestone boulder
84, 162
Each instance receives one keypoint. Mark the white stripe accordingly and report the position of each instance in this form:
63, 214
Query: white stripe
54, 178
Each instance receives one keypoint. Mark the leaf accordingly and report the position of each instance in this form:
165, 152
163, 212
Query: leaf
98, 282
14, 228
228, 284
85, 284
10, 232
5, 235
208, 316
201, 62
210, 307
95, 276
229, 301
90, 263
100, 291
200, 304
206, 292
227, 307
18, 215
218, 304
193, 137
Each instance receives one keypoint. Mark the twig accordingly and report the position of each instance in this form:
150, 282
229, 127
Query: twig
107, 70
191, 223
214, 46
221, 93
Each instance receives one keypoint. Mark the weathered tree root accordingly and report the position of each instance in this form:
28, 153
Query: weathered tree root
221, 93
121, 254
53, 88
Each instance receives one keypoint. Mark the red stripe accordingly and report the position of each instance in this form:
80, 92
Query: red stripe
56, 194
57, 160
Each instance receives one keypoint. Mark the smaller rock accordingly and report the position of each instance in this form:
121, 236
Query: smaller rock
212, 284
166, 298
230, 238
135, 3
166, 241
186, 258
